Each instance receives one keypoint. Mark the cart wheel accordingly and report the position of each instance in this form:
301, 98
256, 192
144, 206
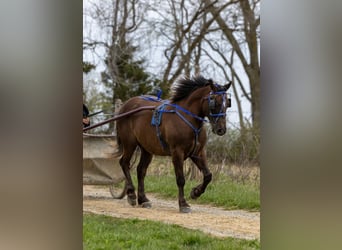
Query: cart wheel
118, 190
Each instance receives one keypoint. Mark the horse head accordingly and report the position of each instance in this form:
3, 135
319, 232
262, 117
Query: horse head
216, 105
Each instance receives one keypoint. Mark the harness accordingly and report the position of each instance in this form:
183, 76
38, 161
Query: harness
161, 109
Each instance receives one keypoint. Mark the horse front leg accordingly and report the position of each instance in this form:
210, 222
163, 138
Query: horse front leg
178, 161
201, 162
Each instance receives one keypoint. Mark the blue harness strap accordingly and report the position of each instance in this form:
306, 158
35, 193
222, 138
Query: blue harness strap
157, 116
156, 120
152, 98
158, 113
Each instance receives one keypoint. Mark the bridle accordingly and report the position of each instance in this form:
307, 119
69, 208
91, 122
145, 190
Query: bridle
214, 117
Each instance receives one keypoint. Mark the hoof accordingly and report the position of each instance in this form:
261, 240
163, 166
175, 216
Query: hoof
131, 201
194, 194
146, 204
185, 210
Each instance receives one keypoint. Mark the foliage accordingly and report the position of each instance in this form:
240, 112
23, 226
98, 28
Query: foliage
103, 232
87, 67
131, 78
237, 146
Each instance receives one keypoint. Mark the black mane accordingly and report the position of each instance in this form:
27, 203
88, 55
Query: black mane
184, 86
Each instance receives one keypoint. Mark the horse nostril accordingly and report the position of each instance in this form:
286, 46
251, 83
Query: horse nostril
221, 131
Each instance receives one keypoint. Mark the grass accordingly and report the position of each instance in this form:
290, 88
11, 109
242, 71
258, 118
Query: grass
226, 189
222, 192
102, 232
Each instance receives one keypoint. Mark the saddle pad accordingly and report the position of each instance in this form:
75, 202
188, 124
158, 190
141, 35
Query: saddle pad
157, 115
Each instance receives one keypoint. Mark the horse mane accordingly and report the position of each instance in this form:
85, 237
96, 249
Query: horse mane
184, 86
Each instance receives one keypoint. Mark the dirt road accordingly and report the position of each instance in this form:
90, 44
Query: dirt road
211, 220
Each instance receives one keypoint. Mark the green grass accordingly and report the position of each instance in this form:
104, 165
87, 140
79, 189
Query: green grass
102, 232
222, 192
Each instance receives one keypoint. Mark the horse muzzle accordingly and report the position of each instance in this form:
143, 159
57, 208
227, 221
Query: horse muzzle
219, 131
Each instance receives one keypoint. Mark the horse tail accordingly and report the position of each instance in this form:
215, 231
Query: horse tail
119, 148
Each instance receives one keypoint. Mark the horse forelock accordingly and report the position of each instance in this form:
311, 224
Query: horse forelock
184, 86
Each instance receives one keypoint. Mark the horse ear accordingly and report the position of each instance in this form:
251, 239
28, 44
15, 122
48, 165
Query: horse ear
227, 86
211, 84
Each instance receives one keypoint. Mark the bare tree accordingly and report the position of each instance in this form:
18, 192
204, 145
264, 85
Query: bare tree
118, 21
215, 36
247, 29
191, 25
221, 31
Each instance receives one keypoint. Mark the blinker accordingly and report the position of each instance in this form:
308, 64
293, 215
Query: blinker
211, 102
229, 104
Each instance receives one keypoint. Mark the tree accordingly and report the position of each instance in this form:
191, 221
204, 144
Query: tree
87, 67
185, 31
124, 75
247, 28
200, 35
214, 37
130, 77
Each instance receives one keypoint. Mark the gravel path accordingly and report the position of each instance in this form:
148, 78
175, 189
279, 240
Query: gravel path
212, 220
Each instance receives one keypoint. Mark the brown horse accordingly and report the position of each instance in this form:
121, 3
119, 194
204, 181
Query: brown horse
176, 130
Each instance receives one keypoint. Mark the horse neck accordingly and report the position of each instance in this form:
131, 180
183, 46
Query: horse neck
194, 102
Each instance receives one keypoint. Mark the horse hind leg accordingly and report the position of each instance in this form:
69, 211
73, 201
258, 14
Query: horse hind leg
125, 165
145, 160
